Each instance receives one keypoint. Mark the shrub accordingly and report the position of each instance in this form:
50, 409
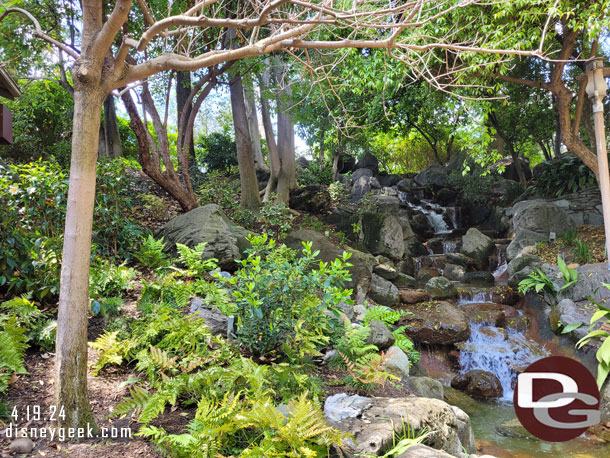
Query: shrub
275, 218
219, 151
338, 191
282, 300
475, 186
564, 175
39, 328
151, 253
314, 174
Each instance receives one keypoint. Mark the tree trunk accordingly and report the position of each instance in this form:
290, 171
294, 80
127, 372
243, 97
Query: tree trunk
110, 138
71, 341
287, 178
274, 158
183, 91
250, 197
321, 152
557, 142
337, 154
255, 134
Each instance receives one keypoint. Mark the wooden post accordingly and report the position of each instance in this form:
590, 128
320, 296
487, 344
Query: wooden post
596, 90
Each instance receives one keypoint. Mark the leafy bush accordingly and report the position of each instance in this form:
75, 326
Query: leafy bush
314, 174
219, 151
282, 300
540, 282
218, 189
32, 219
564, 175
153, 204
39, 328
475, 186
275, 219
109, 280
192, 258
338, 191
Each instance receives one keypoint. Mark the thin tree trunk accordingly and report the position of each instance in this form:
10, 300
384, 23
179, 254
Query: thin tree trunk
321, 152
337, 155
255, 134
274, 158
287, 178
557, 143
71, 341
250, 198
110, 140
183, 92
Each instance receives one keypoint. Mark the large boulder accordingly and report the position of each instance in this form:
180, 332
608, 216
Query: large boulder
520, 262
435, 175
423, 451
361, 270
436, 323
405, 185
541, 217
480, 277
383, 292
523, 239
369, 161
373, 422
440, 288
363, 182
396, 362
478, 384
382, 234
465, 430
454, 272
477, 246
225, 241
424, 387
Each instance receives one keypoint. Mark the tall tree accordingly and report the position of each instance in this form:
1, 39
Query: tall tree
265, 26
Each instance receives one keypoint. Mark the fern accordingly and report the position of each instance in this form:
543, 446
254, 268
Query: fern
193, 259
353, 343
12, 352
110, 350
382, 313
151, 253
406, 344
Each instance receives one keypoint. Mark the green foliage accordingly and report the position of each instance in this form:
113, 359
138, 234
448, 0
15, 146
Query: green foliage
151, 253
109, 280
582, 252
192, 258
106, 306
312, 223
405, 440
12, 352
540, 283
275, 218
513, 191
314, 174
219, 151
39, 329
562, 176
603, 352
282, 299
244, 217
218, 189
153, 204
382, 313
42, 123
475, 186
569, 237
338, 191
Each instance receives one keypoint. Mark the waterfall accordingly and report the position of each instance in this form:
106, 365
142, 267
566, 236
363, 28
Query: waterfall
434, 213
480, 297
503, 352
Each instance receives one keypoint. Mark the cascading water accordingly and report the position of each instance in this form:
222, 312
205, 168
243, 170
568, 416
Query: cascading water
433, 212
503, 352
502, 264
450, 246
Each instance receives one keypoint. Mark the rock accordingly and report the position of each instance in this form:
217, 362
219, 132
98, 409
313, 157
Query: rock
454, 272
478, 384
413, 296
382, 234
380, 335
406, 266
341, 407
329, 355
374, 421
590, 277
405, 185
436, 323
404, 281
519, 323
478, 278
424, 274
465, 430
515, 279
362, 264
225, 241
478, 246
383, 292
541, 217
567, 312
436, 245
21, 446
460, 259
214, 319
435, 175
504, 295
440, 288
385, 271
423, 451
485, 313
369, 161
513, 428
604, 402
396, 362
520, 262
363, 182
462, 400
388, 180
446, 197
424, 387
359, 312
348, 309
313, 199
387, 204
523, 239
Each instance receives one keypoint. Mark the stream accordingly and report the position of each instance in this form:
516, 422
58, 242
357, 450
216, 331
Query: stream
503, 351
